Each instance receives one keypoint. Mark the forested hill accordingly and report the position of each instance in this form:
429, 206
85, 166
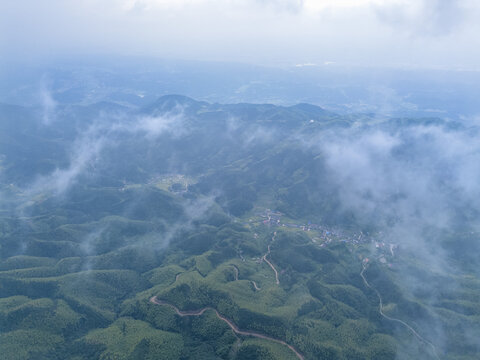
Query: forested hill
189, 230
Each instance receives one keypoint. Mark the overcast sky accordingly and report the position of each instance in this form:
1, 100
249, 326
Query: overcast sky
426, 33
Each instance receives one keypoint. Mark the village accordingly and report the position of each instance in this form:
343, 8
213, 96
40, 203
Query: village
324, 235
174, 183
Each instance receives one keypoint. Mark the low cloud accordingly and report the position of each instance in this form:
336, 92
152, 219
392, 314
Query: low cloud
293, 6
418, 184
423, 17
48, 105
247, 133
153, 127
197, 208
259, 135
412, 175
86, 150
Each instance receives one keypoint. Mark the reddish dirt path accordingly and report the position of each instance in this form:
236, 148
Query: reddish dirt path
234, 327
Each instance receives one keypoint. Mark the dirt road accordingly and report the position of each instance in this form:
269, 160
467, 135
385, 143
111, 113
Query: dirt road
269, 263
234, 327
236, 272
412, 330
255, 285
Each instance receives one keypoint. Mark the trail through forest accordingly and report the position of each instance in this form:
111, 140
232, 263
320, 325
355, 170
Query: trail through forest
417, 335
234, 327
268, 262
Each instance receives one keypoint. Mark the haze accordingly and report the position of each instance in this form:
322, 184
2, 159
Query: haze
239, 179
400, 33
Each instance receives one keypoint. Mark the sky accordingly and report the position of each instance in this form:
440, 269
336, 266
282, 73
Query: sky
399, 33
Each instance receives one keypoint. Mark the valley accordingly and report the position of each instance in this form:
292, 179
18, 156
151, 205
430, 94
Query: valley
123, 242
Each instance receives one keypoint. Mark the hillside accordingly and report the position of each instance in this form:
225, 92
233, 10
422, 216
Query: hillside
183, 229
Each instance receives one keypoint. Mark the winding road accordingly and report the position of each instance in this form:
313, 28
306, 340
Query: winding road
236, 272
234, 327
412, 330
268, 262
255, 285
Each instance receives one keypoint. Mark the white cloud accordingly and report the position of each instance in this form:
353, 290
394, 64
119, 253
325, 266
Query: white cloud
85, 152
432, 33
425, 17
419, 175
153, 126
48, 105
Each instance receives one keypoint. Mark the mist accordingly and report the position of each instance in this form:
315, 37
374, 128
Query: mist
427, 33
415, 185
299, 176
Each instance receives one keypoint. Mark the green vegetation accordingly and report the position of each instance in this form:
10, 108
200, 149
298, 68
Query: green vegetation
77, 269
127, 338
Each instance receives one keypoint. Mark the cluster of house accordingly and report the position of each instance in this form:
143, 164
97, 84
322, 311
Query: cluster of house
325, 235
